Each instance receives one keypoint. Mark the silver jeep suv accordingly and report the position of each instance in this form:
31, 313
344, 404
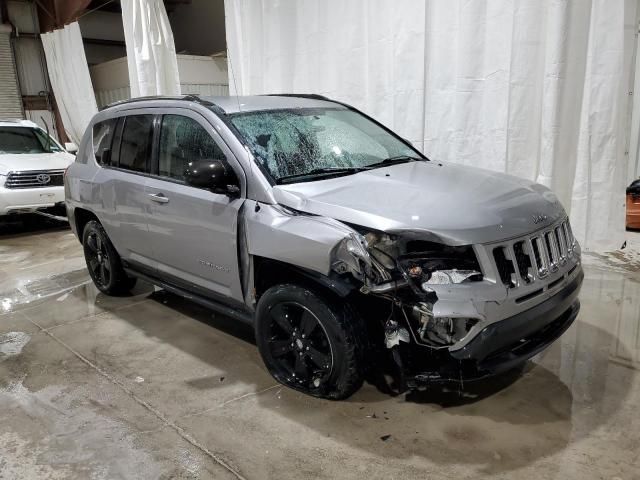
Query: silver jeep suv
348, 250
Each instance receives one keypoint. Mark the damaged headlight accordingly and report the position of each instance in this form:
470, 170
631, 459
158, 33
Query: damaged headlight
351, 255
427, 272
364, 257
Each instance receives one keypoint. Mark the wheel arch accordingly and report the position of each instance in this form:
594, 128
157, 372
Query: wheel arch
82, 216
269, 272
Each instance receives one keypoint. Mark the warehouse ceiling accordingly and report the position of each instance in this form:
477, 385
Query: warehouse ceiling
114, 5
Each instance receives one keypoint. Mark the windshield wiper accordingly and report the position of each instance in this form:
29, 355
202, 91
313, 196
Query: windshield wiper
321, 172
393, 161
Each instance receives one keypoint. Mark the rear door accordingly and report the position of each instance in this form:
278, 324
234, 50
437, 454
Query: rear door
125, 172
193, 230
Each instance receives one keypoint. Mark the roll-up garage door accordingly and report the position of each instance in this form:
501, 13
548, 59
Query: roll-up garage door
10, 99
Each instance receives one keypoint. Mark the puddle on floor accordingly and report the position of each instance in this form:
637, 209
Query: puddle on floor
31, 291
12, 343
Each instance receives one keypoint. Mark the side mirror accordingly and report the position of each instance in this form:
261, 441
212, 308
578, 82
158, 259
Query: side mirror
71, 147
213, 175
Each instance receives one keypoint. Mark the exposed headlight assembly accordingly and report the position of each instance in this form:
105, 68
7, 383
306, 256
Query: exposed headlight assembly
428, 272
355, 255
351, 255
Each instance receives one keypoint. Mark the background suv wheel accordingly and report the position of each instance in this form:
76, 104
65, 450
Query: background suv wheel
310, 342
103, 262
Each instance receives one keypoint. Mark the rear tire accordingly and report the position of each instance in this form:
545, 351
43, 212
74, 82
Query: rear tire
103, 262
310, 342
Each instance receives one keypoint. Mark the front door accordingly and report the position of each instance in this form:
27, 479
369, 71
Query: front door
194, 230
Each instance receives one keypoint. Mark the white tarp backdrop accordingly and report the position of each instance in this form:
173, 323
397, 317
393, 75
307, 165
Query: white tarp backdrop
70, 80
534, 89
151, 51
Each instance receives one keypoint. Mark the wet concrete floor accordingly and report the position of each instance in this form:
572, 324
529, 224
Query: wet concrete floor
151, 386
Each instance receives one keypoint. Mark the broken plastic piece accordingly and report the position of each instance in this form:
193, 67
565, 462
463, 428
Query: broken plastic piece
444, 277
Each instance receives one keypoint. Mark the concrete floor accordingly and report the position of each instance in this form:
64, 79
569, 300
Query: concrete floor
151, 386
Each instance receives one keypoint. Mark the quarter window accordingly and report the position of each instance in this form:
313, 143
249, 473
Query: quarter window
183, 140
102, 135
135, 146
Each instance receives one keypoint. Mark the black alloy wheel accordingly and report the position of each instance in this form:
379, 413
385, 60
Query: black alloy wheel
310, 341
98, 260
103, 261
298, 342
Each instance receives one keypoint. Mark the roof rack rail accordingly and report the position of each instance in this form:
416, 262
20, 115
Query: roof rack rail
134, 100
312, 96
193, 97
187, 98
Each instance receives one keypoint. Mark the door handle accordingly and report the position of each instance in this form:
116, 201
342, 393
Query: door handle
158, 197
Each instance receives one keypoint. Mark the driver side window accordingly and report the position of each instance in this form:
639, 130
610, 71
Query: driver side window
183, 140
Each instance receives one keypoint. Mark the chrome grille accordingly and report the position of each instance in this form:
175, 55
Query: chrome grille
35, 179
534, 257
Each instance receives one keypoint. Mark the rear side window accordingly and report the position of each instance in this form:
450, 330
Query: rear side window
102, 137
135, 146
184, 140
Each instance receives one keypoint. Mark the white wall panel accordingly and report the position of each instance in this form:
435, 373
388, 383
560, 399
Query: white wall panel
536, 89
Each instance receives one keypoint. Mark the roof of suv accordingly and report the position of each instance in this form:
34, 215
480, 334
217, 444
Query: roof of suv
235, 104
17, 122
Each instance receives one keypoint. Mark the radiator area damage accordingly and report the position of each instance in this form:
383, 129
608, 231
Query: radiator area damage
406, 270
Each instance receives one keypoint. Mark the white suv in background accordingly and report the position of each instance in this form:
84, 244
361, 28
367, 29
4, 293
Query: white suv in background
32, 166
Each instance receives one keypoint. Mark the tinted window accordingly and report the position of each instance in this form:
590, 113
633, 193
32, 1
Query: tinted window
135, 146
20, 140
102, 135
183, 140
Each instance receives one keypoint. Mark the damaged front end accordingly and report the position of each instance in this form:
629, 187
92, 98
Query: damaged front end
434, 312
407, 273
451, 313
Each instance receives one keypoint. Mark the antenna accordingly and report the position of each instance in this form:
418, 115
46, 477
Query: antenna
252, 159
233, 78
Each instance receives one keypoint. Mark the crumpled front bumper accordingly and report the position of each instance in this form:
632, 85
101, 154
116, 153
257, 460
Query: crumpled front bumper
503, 345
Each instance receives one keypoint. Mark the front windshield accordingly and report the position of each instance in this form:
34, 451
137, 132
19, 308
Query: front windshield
304, 144
25, 140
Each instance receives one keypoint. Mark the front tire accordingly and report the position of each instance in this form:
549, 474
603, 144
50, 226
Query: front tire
103, 262
310, 342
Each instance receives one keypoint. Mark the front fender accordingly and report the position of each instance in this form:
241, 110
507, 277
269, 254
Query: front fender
303, 240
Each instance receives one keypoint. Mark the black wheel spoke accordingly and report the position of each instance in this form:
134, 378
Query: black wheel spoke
318, 358
298, 345
308, 323
280, 347
91, 243
103, 274
93, 265
105, 264
281, 316
300, 368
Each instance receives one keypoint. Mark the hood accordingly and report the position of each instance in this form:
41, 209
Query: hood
448, 203
19, 162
